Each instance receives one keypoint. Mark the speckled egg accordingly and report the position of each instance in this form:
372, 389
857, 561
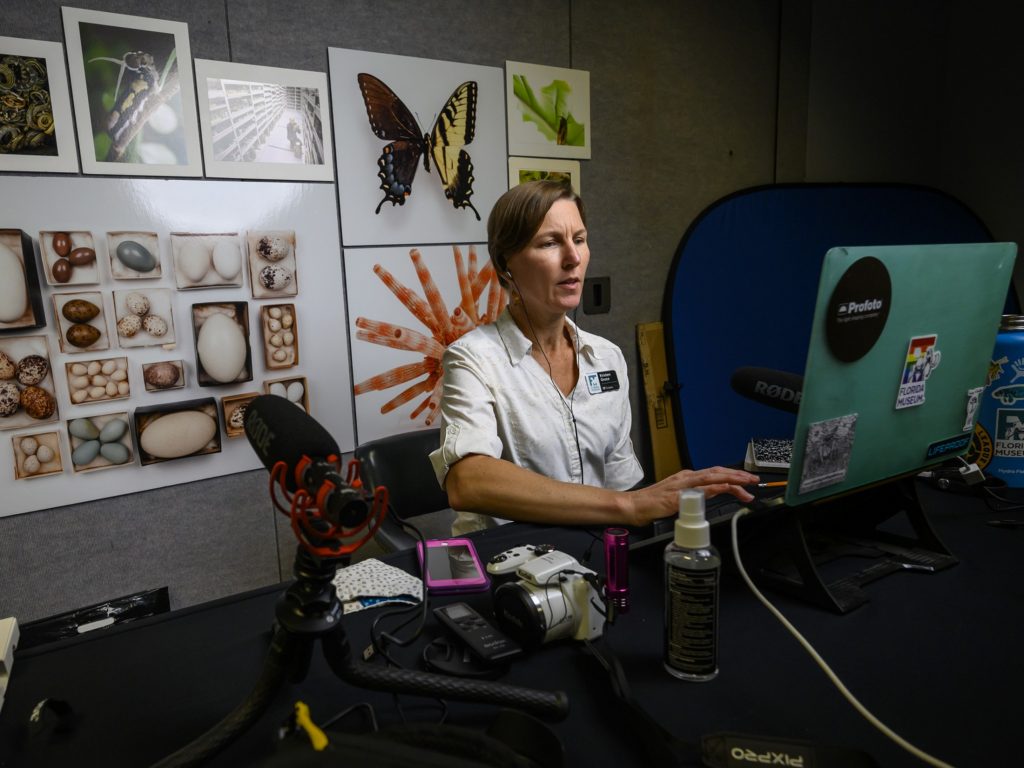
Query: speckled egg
129, 325
38, 403
193, 260
237, 420
81, 335
13, 296
7, 367
45, 454
221, 348
79, 310
273, 248
154, 325
10, 398
161, 375
32, 369
275, 278
137, 304
227, 259
29, 445
31, 465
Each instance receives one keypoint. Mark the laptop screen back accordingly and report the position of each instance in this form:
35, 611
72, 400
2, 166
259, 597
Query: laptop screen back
899, 351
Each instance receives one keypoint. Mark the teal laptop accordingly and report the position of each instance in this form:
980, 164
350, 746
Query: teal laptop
898, 357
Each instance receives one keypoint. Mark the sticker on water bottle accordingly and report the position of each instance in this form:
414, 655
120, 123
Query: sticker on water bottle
1010, 432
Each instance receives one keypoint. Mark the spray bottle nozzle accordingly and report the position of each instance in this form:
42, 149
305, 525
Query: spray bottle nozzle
691, 529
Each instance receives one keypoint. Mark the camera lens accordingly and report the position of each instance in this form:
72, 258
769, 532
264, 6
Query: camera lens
520, 614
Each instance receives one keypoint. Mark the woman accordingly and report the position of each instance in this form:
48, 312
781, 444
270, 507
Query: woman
536, 419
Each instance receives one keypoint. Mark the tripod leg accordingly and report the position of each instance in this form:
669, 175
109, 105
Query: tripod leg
552, 704
276, 669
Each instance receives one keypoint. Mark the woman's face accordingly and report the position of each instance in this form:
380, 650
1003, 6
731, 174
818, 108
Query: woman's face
549, 272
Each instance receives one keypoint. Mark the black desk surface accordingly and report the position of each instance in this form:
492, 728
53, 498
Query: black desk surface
936, 657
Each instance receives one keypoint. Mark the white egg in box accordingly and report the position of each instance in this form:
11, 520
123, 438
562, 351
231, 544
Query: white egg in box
178, 434
227, 259
194, 260
13, 298
222, 348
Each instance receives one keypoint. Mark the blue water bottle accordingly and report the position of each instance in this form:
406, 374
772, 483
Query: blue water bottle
998, 442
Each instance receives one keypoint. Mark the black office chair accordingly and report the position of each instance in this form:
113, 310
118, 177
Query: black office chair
401, 464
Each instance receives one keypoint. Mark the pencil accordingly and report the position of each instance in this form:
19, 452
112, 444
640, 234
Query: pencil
776, 484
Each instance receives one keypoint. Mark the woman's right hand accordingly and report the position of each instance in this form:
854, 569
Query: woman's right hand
662, 498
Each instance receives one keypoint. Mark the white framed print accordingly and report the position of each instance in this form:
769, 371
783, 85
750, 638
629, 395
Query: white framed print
264, 122
521, 169
421, 147
36, 132
135, 101
548, 110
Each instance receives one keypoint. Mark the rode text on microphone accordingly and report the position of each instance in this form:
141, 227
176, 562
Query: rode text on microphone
774, 388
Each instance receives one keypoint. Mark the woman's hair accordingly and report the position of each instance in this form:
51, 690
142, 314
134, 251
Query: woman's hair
517, 216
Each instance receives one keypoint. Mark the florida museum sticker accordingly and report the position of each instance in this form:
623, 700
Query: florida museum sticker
923, 357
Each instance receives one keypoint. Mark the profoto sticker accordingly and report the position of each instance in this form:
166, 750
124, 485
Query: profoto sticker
923, 357
858, 309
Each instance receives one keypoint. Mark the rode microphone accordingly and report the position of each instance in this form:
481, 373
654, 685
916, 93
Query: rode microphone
768, 386
303, 455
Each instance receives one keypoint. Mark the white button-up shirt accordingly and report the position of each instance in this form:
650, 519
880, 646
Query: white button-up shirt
498, 401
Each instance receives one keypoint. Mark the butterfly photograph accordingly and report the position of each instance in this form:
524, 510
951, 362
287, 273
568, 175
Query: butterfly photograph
421, 149
391, 120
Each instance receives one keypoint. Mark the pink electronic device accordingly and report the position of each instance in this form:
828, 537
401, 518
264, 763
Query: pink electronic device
452, 567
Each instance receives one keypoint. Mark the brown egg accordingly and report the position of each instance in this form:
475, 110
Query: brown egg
81, 335
62, 270
161, 375
37, 402
81, 257
80, 311
61, 243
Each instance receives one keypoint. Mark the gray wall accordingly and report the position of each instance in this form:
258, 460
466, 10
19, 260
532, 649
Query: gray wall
691, 100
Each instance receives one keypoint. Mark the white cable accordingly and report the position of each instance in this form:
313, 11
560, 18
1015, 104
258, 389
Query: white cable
886, 730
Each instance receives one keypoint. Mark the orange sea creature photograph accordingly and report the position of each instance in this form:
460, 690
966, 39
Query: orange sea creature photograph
406, 306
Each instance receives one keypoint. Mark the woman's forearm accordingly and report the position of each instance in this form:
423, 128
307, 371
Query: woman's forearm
491, 486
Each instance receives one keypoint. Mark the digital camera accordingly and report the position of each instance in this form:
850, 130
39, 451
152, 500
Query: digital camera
553, 597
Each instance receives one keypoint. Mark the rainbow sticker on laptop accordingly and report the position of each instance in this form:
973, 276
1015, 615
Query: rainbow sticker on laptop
923, 357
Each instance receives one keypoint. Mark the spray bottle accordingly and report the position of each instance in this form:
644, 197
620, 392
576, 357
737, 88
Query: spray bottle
692, 575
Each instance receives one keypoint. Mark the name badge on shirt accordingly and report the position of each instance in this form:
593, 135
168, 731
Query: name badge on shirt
602, 381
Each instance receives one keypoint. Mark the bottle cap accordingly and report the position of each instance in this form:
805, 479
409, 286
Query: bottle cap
692, 530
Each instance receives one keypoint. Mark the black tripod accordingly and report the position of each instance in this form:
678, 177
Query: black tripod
309, 611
